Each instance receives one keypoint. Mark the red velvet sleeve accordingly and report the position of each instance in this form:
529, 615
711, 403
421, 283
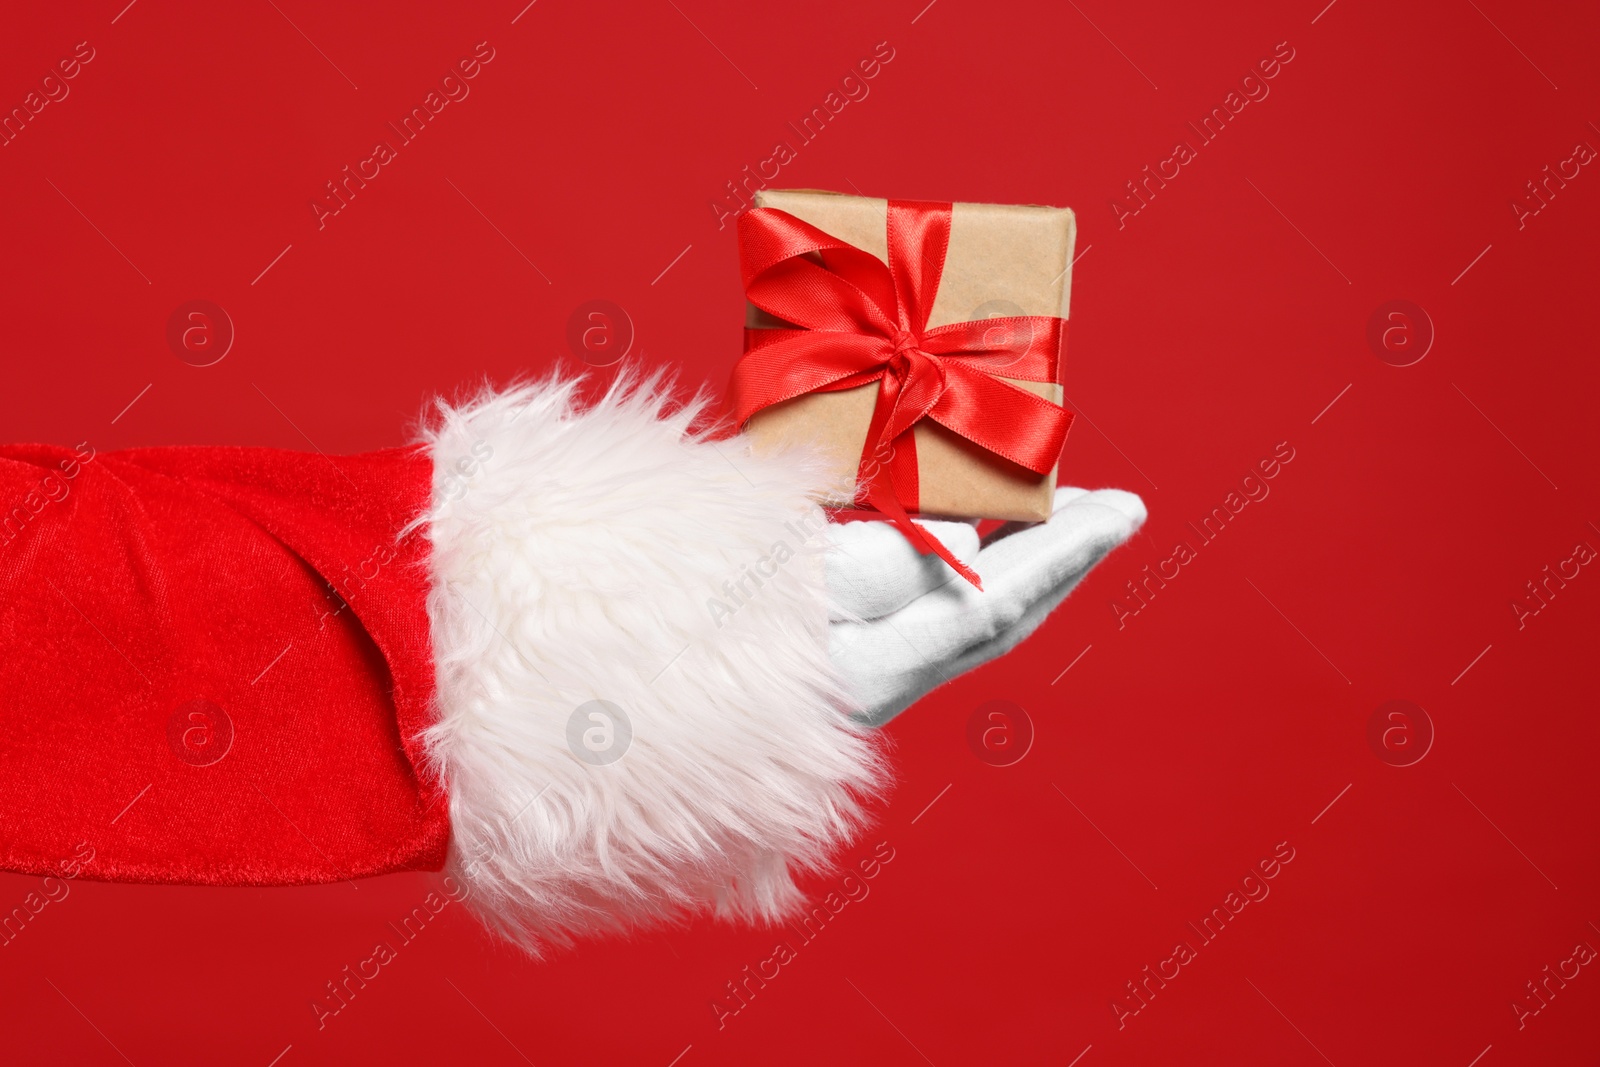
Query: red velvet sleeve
216, 663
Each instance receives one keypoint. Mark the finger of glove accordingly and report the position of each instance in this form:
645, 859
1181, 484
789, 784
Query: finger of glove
1017, 571
881, 702
892, 662
1020, 562
1009, 638
873, 570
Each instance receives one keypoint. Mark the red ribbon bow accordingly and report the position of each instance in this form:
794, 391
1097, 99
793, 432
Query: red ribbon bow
863, 321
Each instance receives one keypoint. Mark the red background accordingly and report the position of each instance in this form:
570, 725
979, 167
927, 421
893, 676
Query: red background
1221, 319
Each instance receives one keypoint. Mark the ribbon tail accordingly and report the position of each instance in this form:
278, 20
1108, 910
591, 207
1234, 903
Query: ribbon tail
924, 542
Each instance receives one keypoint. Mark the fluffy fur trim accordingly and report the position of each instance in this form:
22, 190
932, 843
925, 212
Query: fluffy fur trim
612, 552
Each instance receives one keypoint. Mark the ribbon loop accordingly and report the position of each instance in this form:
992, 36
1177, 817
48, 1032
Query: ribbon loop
858, 320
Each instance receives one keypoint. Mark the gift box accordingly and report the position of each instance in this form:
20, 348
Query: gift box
975, 291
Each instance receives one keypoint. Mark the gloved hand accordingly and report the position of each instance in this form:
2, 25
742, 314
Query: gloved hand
902, 623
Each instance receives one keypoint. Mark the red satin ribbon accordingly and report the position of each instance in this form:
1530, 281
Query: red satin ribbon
863, 321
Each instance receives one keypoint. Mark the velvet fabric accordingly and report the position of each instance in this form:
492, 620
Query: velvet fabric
216, 663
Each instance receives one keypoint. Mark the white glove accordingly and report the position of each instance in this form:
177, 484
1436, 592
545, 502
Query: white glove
903, 623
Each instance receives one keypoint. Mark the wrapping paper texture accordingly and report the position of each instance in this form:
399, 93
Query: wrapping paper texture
1003, 259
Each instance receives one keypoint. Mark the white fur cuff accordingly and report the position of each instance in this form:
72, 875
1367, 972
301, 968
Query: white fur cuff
637, 717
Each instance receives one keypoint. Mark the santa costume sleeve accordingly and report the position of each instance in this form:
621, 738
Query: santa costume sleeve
232, 666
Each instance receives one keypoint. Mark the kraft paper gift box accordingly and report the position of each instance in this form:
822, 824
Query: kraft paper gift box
1002, 259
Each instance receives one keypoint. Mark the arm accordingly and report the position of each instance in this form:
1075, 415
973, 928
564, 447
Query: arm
585, 662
